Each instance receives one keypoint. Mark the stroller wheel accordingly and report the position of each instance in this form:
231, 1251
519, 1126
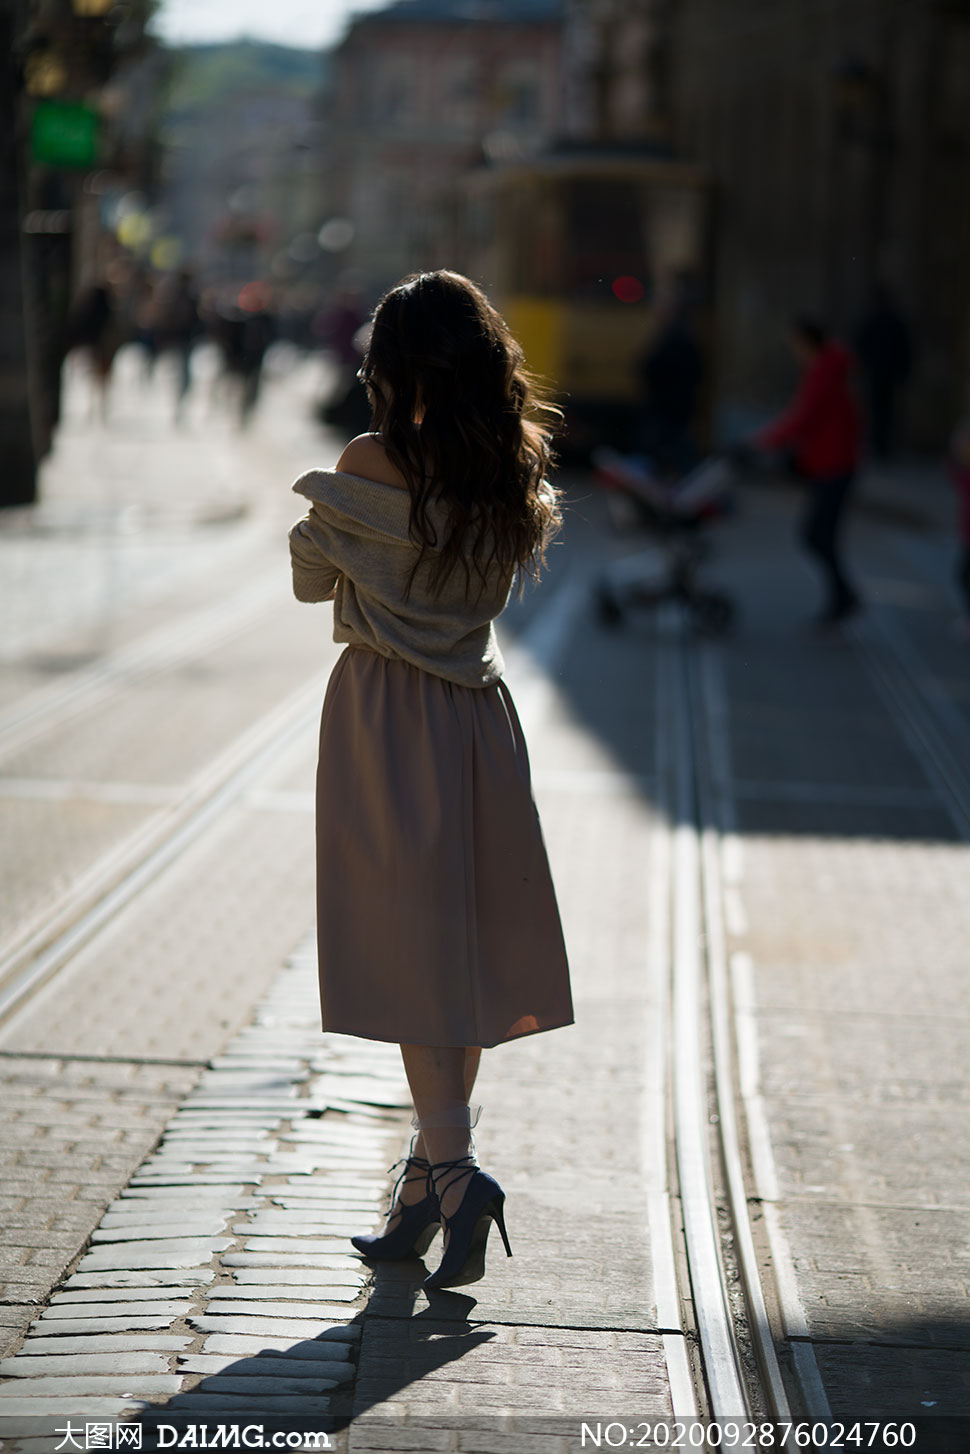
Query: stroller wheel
712, 613
607, 607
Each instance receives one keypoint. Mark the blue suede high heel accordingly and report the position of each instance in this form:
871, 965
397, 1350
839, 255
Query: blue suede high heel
416, 1225
467, 1229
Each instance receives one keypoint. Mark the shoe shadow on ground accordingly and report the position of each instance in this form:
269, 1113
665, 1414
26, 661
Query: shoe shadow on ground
320, 1385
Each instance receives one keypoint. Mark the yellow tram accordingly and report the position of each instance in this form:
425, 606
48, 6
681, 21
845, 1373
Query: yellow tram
580, 250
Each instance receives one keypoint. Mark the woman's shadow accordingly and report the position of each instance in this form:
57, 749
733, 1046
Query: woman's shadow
320, 1385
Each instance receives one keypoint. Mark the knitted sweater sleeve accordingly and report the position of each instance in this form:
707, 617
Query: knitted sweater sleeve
314, 574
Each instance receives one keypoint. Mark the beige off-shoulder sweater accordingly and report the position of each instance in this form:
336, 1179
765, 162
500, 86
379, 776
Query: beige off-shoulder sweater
353, 548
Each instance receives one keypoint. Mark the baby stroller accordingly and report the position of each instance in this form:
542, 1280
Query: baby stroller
677, 513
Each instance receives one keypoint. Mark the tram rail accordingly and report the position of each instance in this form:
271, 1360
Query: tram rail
46, 947
740, 1290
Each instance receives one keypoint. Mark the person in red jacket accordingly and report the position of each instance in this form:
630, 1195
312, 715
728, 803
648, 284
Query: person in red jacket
821, 430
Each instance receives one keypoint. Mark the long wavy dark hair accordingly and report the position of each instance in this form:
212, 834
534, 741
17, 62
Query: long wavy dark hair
440, 354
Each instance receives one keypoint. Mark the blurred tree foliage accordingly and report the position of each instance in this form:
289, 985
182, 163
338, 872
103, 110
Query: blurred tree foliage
204, 75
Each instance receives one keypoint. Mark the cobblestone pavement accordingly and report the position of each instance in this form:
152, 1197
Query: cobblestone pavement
208, 1271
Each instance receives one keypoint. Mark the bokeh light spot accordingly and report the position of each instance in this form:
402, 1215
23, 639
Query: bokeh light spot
627, 289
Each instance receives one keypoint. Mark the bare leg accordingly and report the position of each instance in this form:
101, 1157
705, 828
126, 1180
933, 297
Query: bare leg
473, 1057
438, 1076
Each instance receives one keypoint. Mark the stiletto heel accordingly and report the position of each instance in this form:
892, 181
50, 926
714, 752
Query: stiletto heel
499, 1218
467, 1229
417, 1222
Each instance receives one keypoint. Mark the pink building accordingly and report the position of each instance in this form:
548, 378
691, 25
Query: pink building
422, 92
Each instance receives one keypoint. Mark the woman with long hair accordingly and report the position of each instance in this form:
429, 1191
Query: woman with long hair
437, 921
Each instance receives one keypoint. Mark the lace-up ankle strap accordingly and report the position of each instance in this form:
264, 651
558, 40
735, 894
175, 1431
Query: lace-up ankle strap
410, 1163
461, 1166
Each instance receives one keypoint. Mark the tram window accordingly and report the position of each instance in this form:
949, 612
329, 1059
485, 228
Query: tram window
605, 235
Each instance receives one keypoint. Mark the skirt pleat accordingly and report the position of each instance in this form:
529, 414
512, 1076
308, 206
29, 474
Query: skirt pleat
437, 921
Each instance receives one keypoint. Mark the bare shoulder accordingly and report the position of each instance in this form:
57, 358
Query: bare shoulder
367, 458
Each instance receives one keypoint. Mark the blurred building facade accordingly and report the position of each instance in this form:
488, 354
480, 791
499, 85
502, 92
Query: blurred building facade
241, 173
616, 72
76, 94
422, 92
838, 137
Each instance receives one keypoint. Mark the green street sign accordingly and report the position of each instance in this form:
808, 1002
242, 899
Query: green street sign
65, 134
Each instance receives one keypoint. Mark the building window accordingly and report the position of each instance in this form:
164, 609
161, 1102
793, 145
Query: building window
394, 90
460, 85
518, 94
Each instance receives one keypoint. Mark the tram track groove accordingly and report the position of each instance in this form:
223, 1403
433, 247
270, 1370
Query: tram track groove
723, 1361
48, 944
159, 650
927, 721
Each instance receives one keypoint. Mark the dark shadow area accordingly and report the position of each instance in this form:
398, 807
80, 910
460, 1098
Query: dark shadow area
811, 744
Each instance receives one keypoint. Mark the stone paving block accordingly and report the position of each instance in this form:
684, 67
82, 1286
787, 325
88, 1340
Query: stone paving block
29, 1407
195, 1146
309, 1277
363, 1089
172, 1227
298, 1189
107, 1342
224, 1193
278, 1105
170, 1309
254, 1386
90, 1385
72, 1296
288, 1367
297, 1244
31, 1363
143, 1277
155, 1180
160, 1254
127, 1214
294, 1327
268, 1309
289, 1259
367, 1208
106, 1325
226, 1403
246, 1345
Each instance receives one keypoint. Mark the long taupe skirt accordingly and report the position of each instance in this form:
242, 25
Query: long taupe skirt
437, 921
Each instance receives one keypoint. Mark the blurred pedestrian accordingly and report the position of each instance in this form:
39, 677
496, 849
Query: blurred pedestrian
670, 371
178, 327
884, 345
95, 326
960, 474
143, 309
244, 328
820, 431
341, 329
437, 920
